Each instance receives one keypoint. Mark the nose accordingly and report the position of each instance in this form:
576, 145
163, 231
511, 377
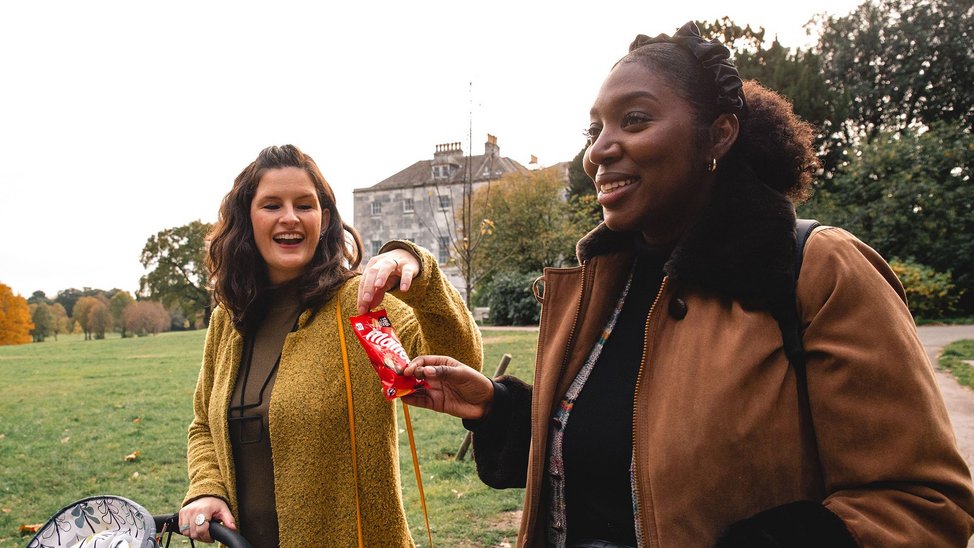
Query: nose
289, 217
605, 149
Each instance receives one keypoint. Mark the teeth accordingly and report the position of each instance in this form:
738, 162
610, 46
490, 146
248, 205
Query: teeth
609, 187
289, 237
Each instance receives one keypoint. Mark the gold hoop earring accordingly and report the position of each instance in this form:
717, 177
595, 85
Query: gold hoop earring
712, 166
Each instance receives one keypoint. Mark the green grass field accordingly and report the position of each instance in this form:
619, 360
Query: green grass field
71, 410
954, 360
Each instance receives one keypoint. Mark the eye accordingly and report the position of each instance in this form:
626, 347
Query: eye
270, 206
635, 118
592, 133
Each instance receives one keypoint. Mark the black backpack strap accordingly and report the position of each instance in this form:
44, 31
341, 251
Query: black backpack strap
791, 333
788, 320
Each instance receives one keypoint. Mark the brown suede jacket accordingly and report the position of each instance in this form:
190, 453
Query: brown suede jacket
720, 456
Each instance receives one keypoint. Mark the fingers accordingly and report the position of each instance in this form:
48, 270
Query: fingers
382, 273
194, 518
224, 516
430, 366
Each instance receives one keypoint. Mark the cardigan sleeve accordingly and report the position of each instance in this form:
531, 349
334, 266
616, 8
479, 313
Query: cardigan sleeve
890, 464
439, 322
205, 478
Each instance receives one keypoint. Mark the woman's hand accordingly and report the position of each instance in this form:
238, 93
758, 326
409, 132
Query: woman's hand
211, 508
451, 387
382, 273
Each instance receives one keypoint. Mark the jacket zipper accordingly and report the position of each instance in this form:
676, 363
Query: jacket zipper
564, 365
640, 535
578, 312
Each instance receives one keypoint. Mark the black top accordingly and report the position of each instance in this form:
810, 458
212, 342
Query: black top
598, 436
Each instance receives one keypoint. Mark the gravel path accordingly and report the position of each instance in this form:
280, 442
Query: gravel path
959, 399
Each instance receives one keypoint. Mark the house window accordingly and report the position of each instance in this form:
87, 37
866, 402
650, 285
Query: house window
376, 246
442, 172
444, 201
443, 255
376, 208
407, 205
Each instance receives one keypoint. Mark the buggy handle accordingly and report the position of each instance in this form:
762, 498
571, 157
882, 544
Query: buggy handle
219, 532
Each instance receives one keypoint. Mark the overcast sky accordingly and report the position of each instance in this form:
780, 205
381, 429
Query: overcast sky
121, 119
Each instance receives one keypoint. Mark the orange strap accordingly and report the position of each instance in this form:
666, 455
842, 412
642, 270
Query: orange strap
351, 429
419, 477
351, 422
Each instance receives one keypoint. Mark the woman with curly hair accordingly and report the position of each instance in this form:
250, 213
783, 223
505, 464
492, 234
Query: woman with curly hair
664, 410
270, 445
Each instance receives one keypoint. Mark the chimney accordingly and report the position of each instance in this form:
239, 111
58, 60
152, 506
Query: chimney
448, 153
490, 147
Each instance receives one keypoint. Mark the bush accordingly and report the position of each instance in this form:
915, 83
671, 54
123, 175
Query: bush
511, 300
930, 294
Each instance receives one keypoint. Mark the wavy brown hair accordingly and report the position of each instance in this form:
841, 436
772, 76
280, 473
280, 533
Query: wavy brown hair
237, 270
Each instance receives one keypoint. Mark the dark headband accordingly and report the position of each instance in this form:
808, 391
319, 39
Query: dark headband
714, 57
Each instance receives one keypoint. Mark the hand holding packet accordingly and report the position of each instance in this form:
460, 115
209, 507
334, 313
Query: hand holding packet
388, 357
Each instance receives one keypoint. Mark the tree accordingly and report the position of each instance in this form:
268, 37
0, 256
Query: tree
67, 298
99, 319
60, 322
38, 297
899, 64
15, 324
40, 315
176, 257
531, 225
145, 318
909, 195
83, 313
116, 305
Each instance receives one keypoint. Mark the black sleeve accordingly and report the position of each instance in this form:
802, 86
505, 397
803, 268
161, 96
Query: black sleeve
796, 525
501, 440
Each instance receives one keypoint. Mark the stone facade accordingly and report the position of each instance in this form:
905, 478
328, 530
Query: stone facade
421, 203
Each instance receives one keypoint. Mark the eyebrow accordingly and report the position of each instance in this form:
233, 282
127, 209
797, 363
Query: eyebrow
308, 196
633, 95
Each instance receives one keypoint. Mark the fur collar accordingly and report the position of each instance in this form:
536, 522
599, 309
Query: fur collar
742, 247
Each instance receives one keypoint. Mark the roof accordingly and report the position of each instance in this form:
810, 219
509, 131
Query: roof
421, 173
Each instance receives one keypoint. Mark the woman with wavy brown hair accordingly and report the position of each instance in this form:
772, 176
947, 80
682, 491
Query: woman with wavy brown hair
270, 445
664, 409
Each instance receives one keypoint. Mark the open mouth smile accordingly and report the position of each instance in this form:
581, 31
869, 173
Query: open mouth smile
289, 238
606, 188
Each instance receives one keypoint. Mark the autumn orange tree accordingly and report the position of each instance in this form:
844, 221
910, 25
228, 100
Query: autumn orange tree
15, 324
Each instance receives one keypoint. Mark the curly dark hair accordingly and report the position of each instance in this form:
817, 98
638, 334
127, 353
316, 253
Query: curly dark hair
773, 141
237, 270
777, 144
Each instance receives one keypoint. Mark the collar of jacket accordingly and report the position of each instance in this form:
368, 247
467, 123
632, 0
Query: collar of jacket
742, 246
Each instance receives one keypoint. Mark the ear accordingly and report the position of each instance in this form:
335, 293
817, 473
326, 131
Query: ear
723, 134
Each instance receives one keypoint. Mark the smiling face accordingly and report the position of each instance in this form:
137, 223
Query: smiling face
287, 218
646, 156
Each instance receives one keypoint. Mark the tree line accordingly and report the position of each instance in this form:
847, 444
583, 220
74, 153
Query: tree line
889, 88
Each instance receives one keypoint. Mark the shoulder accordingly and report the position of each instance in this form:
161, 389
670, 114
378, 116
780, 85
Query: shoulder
835, 258
219, 322
840, 250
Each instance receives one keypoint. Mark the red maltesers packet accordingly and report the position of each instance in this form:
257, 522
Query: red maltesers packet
388, 357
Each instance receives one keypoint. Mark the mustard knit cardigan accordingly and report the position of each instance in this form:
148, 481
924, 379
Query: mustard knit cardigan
308, 415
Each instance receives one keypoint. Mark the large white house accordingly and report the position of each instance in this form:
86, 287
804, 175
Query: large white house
421, 203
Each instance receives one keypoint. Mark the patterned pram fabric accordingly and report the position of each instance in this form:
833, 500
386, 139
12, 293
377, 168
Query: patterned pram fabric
104, 521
